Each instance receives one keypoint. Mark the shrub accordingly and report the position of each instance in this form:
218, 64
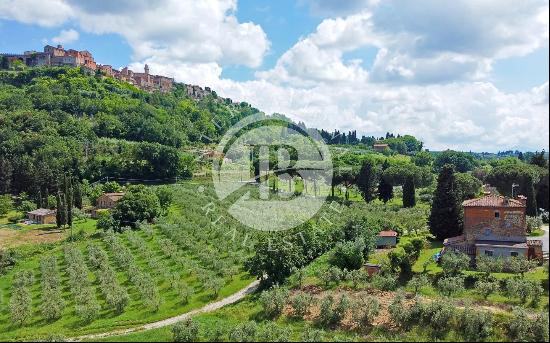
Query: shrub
418, 281
271, 332
400, 261
333, 274
356, 276
326, 315
402, 315
488, 265
185, 331
245, 332
521, 265
438, 315
523, 289
486, 287
300, 304
273, 301
454, 263
348, 255
343, 306
533, 223
525, 329
312, 335
450, 285
385, 282
369, 308
475, 326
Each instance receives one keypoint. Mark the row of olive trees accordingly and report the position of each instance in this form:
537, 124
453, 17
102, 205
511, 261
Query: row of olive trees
86, 305
52, 299
143, 282
114, 294
440, 317
20, 305
169, 249
361, 310
190, 331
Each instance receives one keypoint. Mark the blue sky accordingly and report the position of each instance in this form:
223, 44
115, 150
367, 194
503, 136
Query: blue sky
470, 75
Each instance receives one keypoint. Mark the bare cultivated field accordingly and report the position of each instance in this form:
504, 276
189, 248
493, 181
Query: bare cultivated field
12, 238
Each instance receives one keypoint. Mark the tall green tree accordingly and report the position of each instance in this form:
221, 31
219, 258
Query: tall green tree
385, 188
77, 194
409, 197
528, 189
366, 180
446, 217
539, 159
6, 171
69, 200
58, 210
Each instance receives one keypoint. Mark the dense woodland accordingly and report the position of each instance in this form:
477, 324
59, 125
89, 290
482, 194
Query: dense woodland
56, 121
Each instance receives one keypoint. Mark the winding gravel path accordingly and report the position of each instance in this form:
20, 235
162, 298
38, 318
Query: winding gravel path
167, 322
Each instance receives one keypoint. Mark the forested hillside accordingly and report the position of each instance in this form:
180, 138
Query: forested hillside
59, 120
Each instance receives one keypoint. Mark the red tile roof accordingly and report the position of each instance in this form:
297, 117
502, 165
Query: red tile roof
389, 233
493, 201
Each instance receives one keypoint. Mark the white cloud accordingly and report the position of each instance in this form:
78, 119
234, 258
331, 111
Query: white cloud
469, 116
66, 37
45, 13
429, 77
449, 42
164, 30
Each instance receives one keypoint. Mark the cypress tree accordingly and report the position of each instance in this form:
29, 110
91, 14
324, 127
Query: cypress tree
385, 189
529, 191
59, 211
77, 191
64, 213
409, 198
69, 199
446, 217
366, 180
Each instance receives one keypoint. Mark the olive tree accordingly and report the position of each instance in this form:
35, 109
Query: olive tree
475, 326
185, 331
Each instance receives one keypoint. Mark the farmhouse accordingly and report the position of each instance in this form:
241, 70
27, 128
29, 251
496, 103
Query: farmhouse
42, 216
380, 147
495, 225
106, 201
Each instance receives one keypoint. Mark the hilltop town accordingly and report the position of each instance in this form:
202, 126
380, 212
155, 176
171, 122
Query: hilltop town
59, 57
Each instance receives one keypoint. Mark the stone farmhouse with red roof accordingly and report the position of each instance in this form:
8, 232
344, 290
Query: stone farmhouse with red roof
495, 225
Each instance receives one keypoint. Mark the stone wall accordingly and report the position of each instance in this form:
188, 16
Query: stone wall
481, 223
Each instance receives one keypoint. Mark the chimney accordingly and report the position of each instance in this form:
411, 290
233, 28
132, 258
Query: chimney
522, 199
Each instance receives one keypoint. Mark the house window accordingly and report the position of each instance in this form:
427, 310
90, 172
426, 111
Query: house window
497, 214
514, 254
488, 252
